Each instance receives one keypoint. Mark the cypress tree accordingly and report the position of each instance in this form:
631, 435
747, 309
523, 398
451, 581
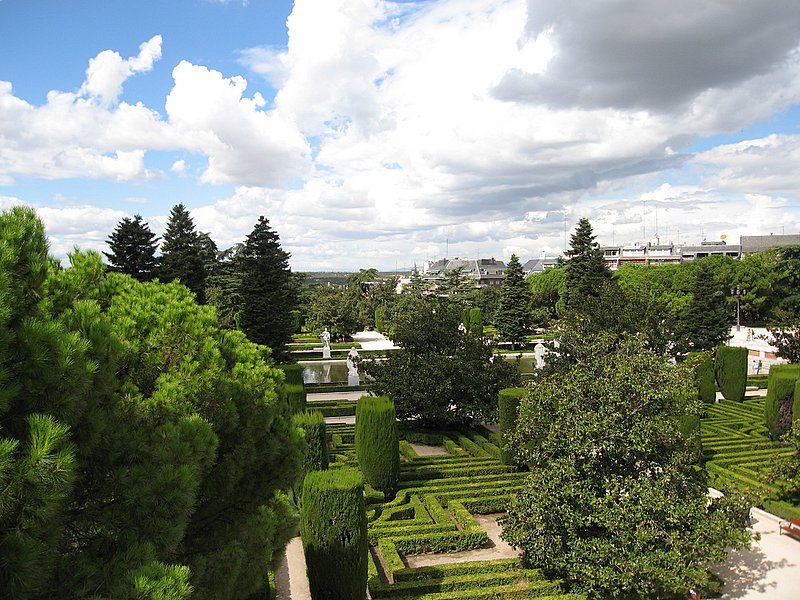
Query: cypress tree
266, 290
730, 370
182, 253
780, 405
333, 526
508, 403
133, 249
378, 443
705, 322
513, 319
586, 271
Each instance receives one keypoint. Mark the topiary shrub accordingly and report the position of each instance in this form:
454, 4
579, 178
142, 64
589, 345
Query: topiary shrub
333, 527
782, 403
508, 404
378, 442
730, 370
704, 380
293, 387
315, 449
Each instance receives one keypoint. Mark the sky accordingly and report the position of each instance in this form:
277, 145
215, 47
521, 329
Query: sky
385, 134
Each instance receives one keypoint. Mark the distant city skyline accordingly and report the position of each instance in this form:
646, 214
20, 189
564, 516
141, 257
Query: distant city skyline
383, 134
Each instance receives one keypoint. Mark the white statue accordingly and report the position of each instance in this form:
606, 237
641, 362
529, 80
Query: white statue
352, 361
352, 368
325, 336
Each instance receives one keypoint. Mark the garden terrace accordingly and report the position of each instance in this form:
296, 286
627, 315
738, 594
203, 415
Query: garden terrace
432, 512
737, 448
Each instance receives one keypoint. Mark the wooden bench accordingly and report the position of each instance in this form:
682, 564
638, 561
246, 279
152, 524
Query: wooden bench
790, 527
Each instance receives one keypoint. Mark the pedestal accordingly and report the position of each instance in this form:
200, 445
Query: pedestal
326, 353
353, 380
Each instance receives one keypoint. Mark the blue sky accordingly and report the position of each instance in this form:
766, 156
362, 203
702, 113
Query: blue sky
378, 134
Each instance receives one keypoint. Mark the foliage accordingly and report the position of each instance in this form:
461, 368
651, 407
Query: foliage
133, 249
440, 375
787, 468
223, 285
781, 403
332, 308
513, 319
705, 321
142, 421
785, 337
377, 443
472, 318
613, 503
182, 254
586, 270
267, 290
315, 447
508, 403
702, 365
333, 526
547, 293
730, 371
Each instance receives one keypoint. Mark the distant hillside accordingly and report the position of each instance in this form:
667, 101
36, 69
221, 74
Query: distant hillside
340, 277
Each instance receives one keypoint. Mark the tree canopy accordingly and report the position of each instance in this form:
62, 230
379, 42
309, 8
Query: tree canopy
613, 503
182, 253
133, 249
586, 270
441, 375
267, 289
144, 450
513, 318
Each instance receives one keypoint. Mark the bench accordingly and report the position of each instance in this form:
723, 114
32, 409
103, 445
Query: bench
790, 527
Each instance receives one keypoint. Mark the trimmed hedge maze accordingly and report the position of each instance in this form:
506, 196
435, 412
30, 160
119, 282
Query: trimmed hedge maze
737, 448
433, 512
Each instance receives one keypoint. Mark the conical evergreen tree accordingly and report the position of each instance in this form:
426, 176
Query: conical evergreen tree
513, 319
182, 253
133, 249
586, 270
267, 293
706, 320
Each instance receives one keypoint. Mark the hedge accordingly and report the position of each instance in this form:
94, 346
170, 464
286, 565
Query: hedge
293, 373
378, 442
333, 527
730, 370
782, 403
508, 403
704, 376
315, 449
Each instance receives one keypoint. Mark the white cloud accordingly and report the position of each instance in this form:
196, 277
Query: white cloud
108, 70
179, 166
244, 143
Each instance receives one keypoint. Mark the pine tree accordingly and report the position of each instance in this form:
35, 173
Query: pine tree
133, 249
267, 291
586, 270
182, 253
705, 322
513, 319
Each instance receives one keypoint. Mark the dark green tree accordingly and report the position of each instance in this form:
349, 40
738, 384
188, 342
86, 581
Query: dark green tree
143, 452
267, 290
133, 249
586, 270
441, 375
705, 321
614, 504
335, 308
513, 319
182, 253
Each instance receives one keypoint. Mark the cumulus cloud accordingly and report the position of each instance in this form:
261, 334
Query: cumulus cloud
658, 56
244, 143
108, 70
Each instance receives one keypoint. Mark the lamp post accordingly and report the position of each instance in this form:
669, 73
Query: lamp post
738, 294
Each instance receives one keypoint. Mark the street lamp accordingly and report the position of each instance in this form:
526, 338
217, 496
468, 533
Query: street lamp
738, 294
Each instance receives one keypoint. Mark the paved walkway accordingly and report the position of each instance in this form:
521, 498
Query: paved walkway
770, 569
